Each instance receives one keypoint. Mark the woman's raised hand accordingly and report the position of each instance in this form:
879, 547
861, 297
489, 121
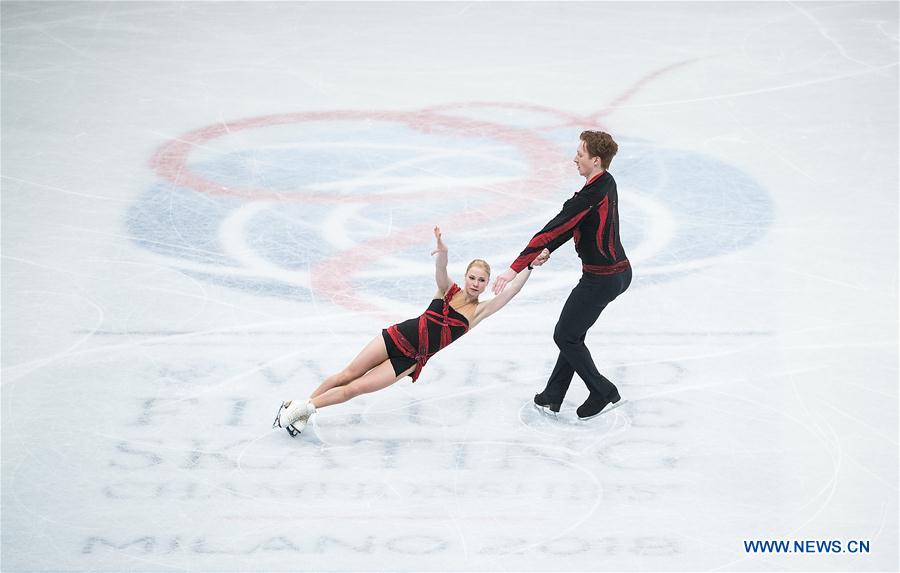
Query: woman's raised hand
441, 247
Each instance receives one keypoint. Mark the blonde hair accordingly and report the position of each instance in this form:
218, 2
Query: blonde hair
481, 263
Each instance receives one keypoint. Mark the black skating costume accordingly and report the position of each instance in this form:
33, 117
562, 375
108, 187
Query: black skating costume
415, 341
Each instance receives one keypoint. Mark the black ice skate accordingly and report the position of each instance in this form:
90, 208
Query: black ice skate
545, 406
595, 404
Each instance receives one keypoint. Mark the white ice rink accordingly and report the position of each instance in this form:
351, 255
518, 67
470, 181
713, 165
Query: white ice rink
208, 207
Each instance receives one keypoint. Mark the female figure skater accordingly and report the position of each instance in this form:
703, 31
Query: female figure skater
404, 348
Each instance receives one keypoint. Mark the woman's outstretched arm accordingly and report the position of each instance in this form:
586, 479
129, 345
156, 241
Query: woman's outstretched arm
440, 265
511, 290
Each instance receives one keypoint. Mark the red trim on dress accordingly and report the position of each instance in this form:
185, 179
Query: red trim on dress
421, 354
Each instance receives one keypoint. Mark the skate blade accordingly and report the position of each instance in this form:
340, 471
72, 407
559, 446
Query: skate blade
546, 411
277, 422
608, 408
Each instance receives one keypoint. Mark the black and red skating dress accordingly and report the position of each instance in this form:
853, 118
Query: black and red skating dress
412, 342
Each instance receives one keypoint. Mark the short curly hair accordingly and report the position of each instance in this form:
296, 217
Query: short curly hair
600, 144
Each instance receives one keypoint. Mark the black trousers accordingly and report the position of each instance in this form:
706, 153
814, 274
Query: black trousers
582, 309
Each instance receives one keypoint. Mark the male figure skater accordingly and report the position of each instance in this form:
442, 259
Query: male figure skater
591, 216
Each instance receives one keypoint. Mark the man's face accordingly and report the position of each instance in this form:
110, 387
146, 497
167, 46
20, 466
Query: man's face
585, 164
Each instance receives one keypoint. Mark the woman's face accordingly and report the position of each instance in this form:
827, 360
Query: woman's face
476, 280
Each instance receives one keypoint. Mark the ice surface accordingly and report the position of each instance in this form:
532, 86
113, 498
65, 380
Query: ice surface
208, 207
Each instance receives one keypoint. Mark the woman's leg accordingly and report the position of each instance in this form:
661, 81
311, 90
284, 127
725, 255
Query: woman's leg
375, 379
373, 354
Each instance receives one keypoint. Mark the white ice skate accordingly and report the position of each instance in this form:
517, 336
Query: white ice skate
293, 416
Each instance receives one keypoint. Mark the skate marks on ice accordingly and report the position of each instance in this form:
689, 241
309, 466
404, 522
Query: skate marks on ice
228, 232
566, 425
452, 467
443, 469
463, 496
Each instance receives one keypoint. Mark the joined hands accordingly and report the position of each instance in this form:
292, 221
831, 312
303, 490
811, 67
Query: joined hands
501, 281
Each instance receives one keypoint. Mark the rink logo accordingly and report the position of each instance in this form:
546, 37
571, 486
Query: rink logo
278, 206
404, 545
805, 546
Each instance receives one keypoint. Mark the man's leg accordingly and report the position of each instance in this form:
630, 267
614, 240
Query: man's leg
581, 311
560, 378
572, 324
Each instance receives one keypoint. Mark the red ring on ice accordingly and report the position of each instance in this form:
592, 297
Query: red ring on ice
171, 160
